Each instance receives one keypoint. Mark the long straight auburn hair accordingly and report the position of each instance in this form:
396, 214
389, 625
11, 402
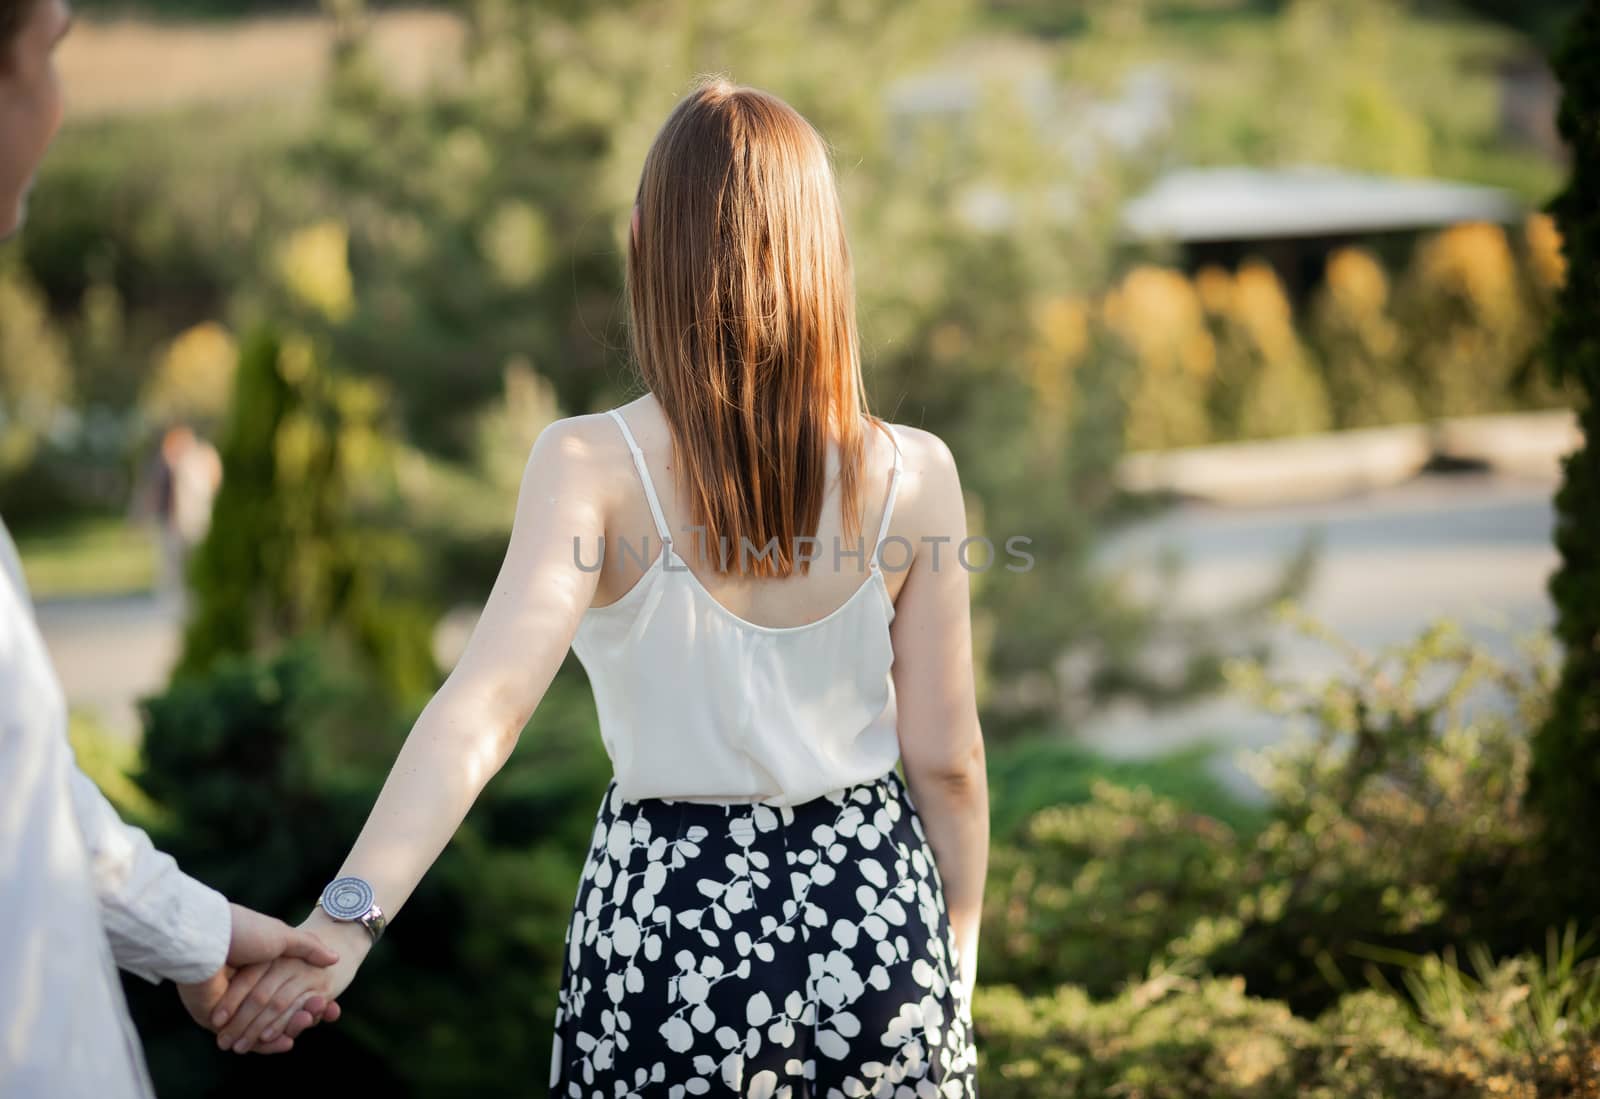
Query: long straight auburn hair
743, 323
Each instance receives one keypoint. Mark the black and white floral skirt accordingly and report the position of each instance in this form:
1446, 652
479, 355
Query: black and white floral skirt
762, 951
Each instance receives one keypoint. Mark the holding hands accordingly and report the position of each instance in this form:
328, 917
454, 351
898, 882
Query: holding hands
269, 1002
257, 945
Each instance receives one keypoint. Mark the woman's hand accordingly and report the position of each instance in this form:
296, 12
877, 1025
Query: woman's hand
201, 998
262, 1000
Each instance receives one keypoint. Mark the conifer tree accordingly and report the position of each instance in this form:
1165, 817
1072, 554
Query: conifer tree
1565, 782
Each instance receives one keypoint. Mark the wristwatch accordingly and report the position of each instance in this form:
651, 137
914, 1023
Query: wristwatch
350, 900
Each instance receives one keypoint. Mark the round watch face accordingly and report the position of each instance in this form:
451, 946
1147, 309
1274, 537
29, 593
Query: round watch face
347, 898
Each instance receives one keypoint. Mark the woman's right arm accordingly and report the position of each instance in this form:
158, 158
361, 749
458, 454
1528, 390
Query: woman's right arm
941, 742
466, 733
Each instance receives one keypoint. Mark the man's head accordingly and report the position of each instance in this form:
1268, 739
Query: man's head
30, 97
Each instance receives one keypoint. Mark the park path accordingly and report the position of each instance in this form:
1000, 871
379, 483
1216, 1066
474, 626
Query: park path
109, 652
1475, 546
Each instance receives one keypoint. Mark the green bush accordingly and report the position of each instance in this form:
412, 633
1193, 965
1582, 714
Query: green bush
265, 769
1090, 893
1398, 821
1169, 1038
1121, 934
1173, 1036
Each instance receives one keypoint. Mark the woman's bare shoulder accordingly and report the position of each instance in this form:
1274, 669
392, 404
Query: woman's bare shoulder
582, 453
923, 455
928, 500
591, 436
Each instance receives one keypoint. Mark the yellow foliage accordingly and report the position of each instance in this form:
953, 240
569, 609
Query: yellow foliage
315, 268
516, 243
300, 440
1063, 325
1356, 281
1061, 339
1157, 313
1265, 383
1262, 307
1544, 251
1468, 304
1472, 262
297, 359
1214, 285
1362, 347
194, 377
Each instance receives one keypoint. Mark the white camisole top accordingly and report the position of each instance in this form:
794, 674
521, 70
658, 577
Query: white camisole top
699, 704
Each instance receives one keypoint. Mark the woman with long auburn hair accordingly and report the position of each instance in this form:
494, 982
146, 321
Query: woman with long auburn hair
778, 624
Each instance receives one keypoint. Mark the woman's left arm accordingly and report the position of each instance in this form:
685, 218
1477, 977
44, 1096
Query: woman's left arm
467, 731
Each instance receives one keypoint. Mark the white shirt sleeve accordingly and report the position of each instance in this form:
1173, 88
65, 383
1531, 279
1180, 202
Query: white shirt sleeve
161, 922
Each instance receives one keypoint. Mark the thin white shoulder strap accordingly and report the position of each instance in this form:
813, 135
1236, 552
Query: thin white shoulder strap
888, 504
644, 476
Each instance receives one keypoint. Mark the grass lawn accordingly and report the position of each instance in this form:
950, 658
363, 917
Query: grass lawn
90, 557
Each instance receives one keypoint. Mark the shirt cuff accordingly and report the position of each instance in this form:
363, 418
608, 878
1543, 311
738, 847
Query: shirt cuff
190, 940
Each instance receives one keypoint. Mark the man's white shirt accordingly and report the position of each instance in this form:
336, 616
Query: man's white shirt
81, 893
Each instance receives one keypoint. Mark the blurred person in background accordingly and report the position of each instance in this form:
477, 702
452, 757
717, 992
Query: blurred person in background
766, 905
81, 891
179, 488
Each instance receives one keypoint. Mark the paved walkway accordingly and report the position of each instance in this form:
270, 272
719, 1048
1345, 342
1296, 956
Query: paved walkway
111, 652
1476, 547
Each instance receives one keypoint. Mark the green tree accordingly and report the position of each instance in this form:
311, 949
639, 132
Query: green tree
230, 569
35, 375
297, 541
1565, 783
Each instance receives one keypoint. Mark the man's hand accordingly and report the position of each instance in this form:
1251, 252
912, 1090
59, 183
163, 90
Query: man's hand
259, 939
264, 1000
201, 1000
